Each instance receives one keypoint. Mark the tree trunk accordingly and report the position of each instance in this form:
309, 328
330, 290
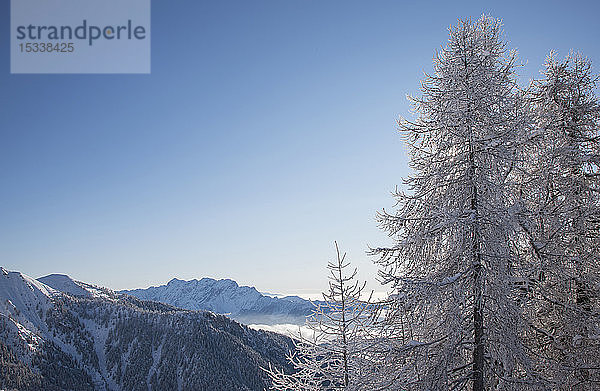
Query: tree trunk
478, 349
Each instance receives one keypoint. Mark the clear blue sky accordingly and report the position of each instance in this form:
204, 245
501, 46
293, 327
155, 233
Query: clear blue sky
265, 131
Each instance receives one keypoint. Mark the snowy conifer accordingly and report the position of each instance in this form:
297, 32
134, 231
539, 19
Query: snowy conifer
561, 195
455, 263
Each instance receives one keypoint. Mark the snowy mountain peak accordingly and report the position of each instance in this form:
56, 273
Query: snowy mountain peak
66, 284
175, 281
23, 285
225, 296
22, 300
205, 281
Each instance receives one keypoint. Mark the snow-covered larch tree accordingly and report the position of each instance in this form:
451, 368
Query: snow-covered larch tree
454, 263
335, 355
561, 194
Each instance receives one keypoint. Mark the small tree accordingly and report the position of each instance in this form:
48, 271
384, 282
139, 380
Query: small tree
336, 355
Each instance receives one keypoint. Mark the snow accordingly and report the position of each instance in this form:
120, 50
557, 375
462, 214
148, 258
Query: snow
450, 280
99, 336
27, 296
32, 340
156, 354
65, 284
16, 282
22, 300
226, 297
99, 292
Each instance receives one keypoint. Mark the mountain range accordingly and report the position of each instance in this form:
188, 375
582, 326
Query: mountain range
57, 334
242, 303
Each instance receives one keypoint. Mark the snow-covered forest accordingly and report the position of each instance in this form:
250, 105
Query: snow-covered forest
495, 263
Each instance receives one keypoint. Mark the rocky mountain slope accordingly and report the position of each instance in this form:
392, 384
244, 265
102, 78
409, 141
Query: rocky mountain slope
241, 303
90, 338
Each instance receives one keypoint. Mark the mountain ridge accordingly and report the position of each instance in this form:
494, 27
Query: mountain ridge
243, 303
106, 341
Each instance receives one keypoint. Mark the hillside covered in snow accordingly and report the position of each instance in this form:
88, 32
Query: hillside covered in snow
74, 336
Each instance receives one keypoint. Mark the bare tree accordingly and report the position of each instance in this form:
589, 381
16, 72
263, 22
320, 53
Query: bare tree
336, 355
